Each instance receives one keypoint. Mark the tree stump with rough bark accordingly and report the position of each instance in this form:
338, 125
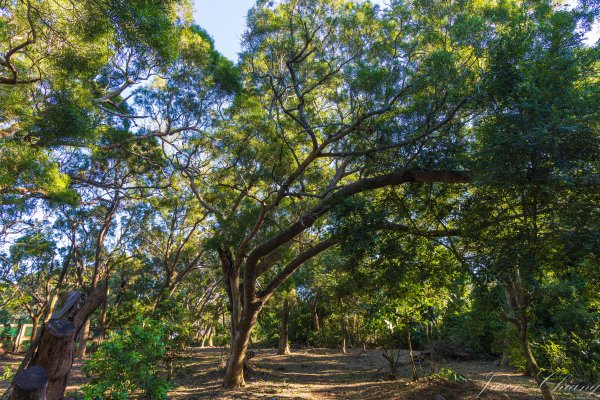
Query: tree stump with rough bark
30, 384
57, 355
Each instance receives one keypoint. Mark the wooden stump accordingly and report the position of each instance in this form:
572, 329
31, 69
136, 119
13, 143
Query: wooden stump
30, 384
55, 355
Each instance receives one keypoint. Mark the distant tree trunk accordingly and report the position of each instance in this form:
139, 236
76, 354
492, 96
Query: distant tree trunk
82, 340
57, 359
51, 306
505, 349
429, 333
314, 311
103, 312
343, 335
356, 331
206, 335
284, 346
35, 322
19, 338
211, 335
410, 354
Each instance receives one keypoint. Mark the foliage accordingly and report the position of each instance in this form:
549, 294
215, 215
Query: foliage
450, 375
129, 362
425, 169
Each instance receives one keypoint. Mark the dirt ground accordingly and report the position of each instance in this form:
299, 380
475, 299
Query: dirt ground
328, 374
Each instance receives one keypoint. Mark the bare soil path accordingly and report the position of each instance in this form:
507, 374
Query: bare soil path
325, 374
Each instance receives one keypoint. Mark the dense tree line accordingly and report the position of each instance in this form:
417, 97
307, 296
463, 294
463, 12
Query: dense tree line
399, 176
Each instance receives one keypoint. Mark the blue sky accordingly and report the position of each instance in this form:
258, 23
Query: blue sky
225, 21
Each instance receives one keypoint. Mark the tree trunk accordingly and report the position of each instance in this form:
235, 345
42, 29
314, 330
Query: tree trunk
284, 346
315, 314
234, 376
35, 321
19, 338
211, 335
51, 352
57, 359
429, 332
532, 364
231, 279
343, 335
82, 340
518, 300
505, 350
205, 336
103, 319
410, 354
30, 384
51, 306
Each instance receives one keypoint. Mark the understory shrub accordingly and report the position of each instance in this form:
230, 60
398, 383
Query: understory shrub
132, 361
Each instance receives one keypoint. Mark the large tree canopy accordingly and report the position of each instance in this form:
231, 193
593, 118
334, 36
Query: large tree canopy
425, 144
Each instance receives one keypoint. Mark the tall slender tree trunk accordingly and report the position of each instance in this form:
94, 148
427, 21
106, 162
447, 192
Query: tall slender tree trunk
51, 306
429, 332
82, 341
410, 354
35, 322
284, 346
505, 351
211, 335
206, 335
518, 300
103, 323
344, 335
314, 311
231, 279
19, 338
103, 314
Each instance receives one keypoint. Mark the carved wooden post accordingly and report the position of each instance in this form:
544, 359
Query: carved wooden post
30, 384
57, 359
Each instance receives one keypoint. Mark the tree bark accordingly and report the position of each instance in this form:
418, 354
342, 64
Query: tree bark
314, 311
429, 332
533, 366
82, 340
205, 336
343, 335
211, 335
19, 338
284, 346
518, 300
234, 376
413, 366
30, 384
505, 349
35, 321
57, 357
231, 278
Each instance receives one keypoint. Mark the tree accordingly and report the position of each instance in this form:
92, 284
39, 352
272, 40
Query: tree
542, 124
287, 158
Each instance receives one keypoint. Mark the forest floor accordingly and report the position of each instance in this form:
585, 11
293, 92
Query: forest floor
327, 374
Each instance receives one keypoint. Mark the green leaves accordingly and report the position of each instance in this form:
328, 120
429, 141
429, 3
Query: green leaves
130, 361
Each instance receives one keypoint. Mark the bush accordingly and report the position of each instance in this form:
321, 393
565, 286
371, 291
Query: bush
131, 361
